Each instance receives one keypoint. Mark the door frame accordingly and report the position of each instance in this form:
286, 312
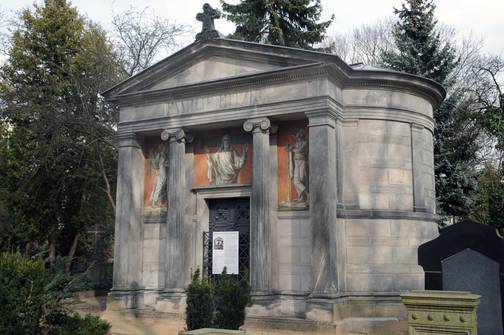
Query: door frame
202, 215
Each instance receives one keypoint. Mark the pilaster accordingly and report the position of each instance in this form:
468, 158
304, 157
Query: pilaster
350, 165
260, 207
129, 209
327, 232
417, 145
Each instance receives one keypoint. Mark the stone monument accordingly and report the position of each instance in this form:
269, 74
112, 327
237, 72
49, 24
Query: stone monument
334, 161
469, 256
442, 312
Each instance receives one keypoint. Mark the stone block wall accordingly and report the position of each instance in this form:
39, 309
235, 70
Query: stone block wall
381, 254
294, 252
385, 165
153, 271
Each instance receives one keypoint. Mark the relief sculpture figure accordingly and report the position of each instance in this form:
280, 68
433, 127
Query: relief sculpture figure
159, 164
298, 166
225, 164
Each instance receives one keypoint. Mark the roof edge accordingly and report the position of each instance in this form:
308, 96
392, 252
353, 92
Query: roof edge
353, 76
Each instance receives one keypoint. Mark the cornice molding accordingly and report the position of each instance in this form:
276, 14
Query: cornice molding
127, 139
340, 72
327, 117
300, 106
224, 85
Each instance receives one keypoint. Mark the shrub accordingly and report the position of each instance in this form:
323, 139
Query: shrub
74, 324
199, 310
22, 293
231, 296
31, 300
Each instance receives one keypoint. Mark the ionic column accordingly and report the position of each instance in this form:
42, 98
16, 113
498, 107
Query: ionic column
129, 207
176, 220
327, 233
260, 217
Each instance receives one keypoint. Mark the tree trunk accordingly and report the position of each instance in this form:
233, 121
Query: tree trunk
71, 253
52, 247
108, 191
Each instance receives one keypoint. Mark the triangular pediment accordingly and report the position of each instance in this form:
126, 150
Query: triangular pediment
212, 68
206, 62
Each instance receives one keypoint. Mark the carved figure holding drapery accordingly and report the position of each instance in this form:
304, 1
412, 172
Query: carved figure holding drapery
225, 164
298, 167
158, 165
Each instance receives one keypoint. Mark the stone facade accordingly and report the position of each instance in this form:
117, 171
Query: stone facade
346, 252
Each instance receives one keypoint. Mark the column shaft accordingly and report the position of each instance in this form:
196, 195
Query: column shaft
176, 219
260, 215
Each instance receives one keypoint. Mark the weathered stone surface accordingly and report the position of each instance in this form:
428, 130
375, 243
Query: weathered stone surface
471, 271
327, 235
365, 98
260, 219
385, 165
294, 252
381, 256
177, 224
215, 67
128, 241
213, 331
441, 312
468, 256
207, 17
370, 179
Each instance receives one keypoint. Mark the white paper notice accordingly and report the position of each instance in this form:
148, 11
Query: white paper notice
225, 252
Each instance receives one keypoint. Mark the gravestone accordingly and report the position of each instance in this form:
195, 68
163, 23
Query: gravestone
471, 271
468, 256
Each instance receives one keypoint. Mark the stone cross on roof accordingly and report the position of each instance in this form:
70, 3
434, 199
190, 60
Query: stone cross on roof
208, 31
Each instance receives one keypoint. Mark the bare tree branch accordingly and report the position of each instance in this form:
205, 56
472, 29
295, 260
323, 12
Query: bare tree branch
108, 189
142, 38
364, 44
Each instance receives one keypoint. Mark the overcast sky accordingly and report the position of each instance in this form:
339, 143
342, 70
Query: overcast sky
482, 18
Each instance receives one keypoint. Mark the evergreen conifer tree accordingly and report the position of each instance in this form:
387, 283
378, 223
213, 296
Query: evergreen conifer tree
290, 23
420, 51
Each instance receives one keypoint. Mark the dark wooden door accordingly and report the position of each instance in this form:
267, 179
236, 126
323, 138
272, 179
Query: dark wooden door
229, 215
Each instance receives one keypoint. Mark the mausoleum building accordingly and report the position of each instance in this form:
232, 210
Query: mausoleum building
322, 170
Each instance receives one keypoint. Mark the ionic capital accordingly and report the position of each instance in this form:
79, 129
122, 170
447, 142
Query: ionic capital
262, 124
179, 135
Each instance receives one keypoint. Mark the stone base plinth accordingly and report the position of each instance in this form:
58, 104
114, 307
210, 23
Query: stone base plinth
122, 300
173, 303
368, 314
270, 312
263, 305
213, 331
441, 312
